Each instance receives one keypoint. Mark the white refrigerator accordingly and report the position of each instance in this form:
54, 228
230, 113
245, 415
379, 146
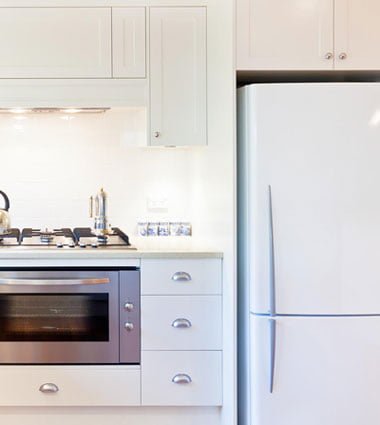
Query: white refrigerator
309, 254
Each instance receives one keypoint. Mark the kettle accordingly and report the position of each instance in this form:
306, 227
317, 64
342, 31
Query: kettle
5, 221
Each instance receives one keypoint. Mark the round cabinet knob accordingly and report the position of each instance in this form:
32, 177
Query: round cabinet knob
128, 306
128, 326
329, 56
156, 134
342, 56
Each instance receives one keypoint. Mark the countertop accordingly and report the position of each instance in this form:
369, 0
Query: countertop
144, 249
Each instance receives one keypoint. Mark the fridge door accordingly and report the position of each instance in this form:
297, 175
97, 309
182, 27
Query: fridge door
318, 147
326, 371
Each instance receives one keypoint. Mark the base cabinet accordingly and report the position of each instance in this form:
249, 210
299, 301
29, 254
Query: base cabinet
182, 378
70, 386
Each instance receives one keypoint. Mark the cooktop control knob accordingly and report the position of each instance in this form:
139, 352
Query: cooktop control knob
128, 326
82, 245
59, 245
128, 306
94, 245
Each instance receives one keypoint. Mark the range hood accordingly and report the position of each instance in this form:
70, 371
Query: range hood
74, 96
47, 110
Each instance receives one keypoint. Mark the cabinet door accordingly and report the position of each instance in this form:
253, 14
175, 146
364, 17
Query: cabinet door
178, 76
128, 42
357, 34
55, 42
325, 371
286, 35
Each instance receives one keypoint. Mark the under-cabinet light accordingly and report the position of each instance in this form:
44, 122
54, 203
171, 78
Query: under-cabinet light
52, 110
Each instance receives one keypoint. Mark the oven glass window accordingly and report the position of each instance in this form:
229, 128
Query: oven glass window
54, 317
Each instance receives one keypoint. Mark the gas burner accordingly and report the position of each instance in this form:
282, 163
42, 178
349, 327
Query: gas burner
46, 236
65, 238
10, 238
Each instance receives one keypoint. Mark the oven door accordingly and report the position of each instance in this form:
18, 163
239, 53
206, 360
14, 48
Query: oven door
59, 317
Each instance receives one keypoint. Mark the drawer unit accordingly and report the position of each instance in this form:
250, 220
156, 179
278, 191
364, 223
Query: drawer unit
182, 378
69, 386
181, 277
182, 322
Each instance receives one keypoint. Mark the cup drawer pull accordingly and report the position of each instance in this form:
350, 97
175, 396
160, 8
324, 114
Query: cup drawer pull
181, 323
49, 388
181, 378
181, 277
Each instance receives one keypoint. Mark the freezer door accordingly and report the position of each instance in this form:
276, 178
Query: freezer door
318, 147
326, 371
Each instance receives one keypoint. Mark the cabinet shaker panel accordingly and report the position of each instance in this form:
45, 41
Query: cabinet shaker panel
178, 76
55, 42
128, 42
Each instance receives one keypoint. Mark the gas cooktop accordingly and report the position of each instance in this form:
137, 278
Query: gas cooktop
79, 237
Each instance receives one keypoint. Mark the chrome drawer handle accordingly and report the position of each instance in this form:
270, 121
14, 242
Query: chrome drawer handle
181, 277
181, 378
49, 388
181, 323
53, 282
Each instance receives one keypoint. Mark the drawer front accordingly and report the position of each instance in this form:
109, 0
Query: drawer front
77, 386
182, 322
198, 375
181, 277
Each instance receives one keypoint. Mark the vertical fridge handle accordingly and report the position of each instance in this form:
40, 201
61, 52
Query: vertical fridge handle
272, 276
272, 352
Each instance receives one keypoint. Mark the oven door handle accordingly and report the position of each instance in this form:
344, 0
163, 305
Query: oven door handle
53, 282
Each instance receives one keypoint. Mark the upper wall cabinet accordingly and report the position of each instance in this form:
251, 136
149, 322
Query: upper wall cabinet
178, 76
285, 34
128, 42
55, 43
308, 35
357, 34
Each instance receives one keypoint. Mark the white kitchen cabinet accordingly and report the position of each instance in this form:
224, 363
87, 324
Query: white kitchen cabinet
75, 385
181, 276
308, 35
181, 378
181, 322
178, 76
55, 42
181, 330
287, 34
128, 42
357, 34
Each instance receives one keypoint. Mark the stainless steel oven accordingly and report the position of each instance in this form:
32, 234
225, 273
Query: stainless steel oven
70, 316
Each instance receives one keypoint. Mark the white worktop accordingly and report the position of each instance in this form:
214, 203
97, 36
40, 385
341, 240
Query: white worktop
144, 249
102, 254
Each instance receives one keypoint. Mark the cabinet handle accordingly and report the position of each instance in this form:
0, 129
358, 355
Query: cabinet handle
156, 134
272, 352
329, 55
181, 277
343, 56
181, 378
181, 323
49, 388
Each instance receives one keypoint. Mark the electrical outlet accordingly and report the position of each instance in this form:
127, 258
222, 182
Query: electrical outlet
157, 204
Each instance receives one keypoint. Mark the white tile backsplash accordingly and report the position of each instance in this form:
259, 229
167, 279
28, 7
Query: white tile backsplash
51, 164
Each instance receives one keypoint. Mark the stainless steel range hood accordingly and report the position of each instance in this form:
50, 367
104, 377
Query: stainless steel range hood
47, 110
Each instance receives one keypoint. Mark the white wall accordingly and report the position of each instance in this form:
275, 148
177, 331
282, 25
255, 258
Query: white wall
51, 163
